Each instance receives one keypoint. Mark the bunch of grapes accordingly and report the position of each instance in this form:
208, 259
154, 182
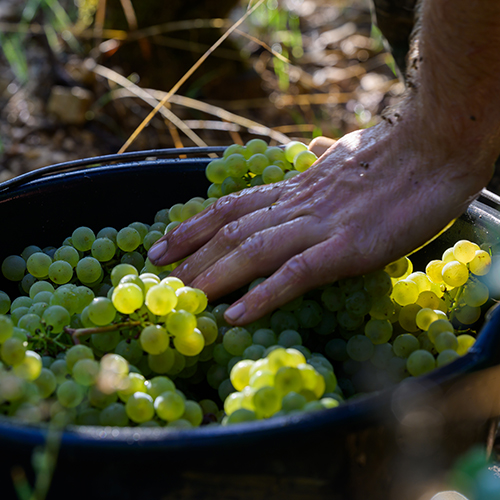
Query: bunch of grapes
101, 336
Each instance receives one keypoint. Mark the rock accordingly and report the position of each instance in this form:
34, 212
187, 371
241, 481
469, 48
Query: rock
70, 105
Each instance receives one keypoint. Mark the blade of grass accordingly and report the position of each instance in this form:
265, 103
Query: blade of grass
13, 51
176, 87
151, 100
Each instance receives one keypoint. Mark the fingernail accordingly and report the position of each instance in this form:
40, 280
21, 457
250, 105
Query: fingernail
156, 251
235, 312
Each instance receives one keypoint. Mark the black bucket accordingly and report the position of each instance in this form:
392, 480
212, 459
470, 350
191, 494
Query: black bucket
396, 444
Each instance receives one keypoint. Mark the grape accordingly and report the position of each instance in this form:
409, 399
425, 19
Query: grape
358, 303
434, 271
267, 400
163, 362
234, 148
60, 369
88, 270
289, 338
481, 263
82, 238
30, 250
208, 328
103, 249
360, 348
40, 286
437, 327
127, 298
128, 239
399, 268
272, 174
379, 331
309, 314
465, 342
30, 367
404, 345
20, 302
236, 340
105, 342
292, 149
108, 232
420, 362
70, 394
257, 163
85, 372
214, 191
76, 353
405, 292
304, 160
468, 315
377, 283
38, 264
446, 340
67, 254
425, 317
169, 406
445, 357
13, 267
4, 303
46, 383
190, 344
151, 238
140, 407
129, 349
475, 293
31, 323
114, 415
240, 374
190, 209
161, 299
255, 146
464, 251
236, 165
154, 339
232, 185
216, 171
56, 317
455, 273
6, 328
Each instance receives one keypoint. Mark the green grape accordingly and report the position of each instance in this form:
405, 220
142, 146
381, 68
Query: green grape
208, 328
18, 314
445, 357
161, 299
129, 349
446, 340
67, 254
13, 267
309, 314
105, 341
216, 171
154, 339
85, 372
382, 308
255, 146
40, 286
336, 349
151, 238
304, 160
214, 191
70, 394
240, 374
31, 323
290, 174
379, 331
289, 338
475, 293
190, 209
88, 416
127, 298
140, 407
190, 344
358, 303
128, 239
360, 348
233, 148
317, 379
187, 299
20, 302
236, 165
293, 401
38, 264
172, 282
169, 406
382, 354
399, 268
267, 400
396, 369
275, 153
103, 249
328, 324
233, 403
425, 317
437, 327
239, 416
209, 201
132, 383
56, 317
135, 259
468, 315
292, 149
333, 298
405, 292
465, 251
181, 323
76, 353
232, 185
254, 352
141, 228
4, 303
6, 328
434, 271
283, 320
163, 362
114, 415
465, 342
108, 232
236, 340
84, 296
256, 181
30, 250
448, 255
220, 355
193, 413
46, 383
60, 369
272, 174
27, 281
121, 270
420, 362
287, 379
481, 263
257, 163
30, 367
404, 345
82, 238
88, 270
377, 283
408, 317
159, 226
349, 321
101, 311
455, 273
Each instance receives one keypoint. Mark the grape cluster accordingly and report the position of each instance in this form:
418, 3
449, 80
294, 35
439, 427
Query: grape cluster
100, 336
255, 164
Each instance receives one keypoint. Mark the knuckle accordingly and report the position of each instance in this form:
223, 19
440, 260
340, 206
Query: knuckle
299, 269
230, 235
253, 246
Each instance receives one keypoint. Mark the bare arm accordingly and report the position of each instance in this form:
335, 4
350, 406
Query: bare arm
376, 194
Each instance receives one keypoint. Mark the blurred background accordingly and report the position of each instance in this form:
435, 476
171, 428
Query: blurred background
301, 68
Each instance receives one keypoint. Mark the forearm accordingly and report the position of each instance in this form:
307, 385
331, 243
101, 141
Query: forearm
454, 76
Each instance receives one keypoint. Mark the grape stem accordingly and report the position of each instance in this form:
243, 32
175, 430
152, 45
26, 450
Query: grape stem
76, 333
455, 302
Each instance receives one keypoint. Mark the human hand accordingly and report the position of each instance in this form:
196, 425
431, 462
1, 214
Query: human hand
370, 199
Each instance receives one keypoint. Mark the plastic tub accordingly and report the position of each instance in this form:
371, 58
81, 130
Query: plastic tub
392, 445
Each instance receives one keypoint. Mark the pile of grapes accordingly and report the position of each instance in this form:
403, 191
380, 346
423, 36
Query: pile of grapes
100, 336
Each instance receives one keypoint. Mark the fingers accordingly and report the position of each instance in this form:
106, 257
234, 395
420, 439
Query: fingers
320, 264
320, 145
195, 232
258, 255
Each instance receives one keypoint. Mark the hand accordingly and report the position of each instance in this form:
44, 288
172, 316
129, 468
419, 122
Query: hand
370, 199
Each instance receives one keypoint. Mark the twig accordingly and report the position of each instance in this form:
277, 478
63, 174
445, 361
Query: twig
76, 333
